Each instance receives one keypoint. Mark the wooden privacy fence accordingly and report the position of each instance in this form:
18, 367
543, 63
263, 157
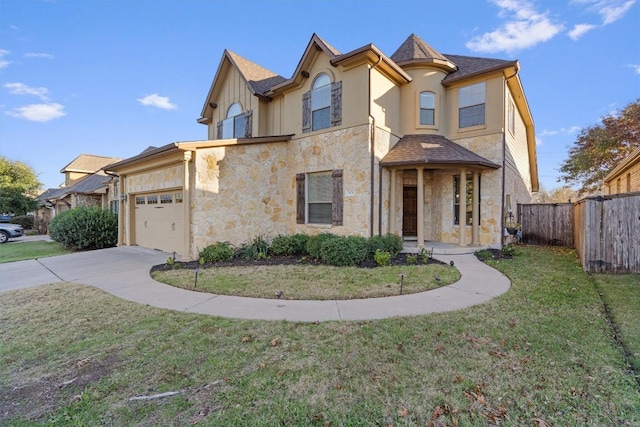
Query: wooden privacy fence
547, 224
607, 233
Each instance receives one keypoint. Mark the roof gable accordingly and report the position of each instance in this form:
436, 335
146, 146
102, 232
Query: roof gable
88, 163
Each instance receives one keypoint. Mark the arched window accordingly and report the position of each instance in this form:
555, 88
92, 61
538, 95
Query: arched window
321, 103
234, 125
427, 108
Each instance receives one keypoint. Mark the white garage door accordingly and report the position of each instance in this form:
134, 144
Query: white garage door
159, 221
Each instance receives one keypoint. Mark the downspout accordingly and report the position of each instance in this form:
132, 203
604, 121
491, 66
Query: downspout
372, 121
504, 163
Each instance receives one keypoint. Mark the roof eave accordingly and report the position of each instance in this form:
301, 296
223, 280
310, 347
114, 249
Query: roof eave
373, 55
450, 80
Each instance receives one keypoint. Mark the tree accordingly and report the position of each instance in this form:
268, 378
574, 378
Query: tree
19, 187
555, 195
599, 148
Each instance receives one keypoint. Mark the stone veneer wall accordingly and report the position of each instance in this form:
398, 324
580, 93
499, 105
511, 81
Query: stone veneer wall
347, 149
240, 192
490, 147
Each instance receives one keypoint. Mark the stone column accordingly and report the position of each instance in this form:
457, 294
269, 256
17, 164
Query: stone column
420, 230
475, 209
392, 202
462, 211
186, 205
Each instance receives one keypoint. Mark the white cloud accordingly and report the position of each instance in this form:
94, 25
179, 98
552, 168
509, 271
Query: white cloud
580, 30
613, 10
3, 62
23, 89
38, 55
636, 67
38, 112
155, 100
524, 27
609, 10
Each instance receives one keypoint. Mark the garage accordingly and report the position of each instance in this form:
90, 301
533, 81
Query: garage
159, 220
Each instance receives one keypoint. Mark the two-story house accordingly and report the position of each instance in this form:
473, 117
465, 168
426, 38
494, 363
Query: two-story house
430, 146
625, 177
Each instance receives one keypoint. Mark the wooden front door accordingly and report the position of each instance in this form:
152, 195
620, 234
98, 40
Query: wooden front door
409, 211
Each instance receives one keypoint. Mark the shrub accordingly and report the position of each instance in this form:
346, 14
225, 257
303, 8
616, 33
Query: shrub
289, 245
257, 248
26, 221
40, 225
84, 228
412, 259
219, 251
343, 251
484, 254
390, 243
509, 250
314, 244
382, 258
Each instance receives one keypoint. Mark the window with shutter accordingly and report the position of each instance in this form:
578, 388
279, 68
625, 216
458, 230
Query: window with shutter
300, 199
319, 198
337, 205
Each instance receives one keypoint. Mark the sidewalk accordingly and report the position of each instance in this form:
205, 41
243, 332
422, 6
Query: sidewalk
124, 272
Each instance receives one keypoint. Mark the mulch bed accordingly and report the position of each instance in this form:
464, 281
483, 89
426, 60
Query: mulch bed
401, 259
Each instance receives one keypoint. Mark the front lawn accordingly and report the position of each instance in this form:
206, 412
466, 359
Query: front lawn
311, 281
540, 353
17, 251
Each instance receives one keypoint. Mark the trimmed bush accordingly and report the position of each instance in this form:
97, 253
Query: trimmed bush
219, 251
342, 251
85, 228
314, 244
382, 258
390, 243
26, 221
289, 245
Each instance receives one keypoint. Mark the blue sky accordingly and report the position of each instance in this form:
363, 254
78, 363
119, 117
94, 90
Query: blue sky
112, 77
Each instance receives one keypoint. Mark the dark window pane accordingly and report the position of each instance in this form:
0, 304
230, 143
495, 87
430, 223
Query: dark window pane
320, 213
426, 116
472, 116
321, 119
239, 126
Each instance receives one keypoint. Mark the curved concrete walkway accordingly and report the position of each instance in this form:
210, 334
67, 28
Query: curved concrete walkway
124, 272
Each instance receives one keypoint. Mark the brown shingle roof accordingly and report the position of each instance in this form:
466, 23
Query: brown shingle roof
414, 49
432, 150
259, 78
469, 66
88, 163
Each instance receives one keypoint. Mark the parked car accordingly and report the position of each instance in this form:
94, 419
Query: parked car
5, 218
10, 231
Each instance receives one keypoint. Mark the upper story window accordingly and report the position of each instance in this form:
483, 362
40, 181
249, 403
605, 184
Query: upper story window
511, 117
471, 105
427, 108
322, 105
236, 125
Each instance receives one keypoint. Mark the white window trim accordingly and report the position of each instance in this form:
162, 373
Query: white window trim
436, 115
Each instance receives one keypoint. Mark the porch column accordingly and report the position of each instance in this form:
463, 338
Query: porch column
420, 230
392, 202
186, 205
475, 230
462, 208
122, 220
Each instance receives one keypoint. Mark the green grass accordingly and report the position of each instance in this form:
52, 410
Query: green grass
622, 295
73, 355
11, 251
311, 281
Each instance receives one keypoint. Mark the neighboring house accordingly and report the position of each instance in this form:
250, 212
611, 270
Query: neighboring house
86, 184
625, 177
358, 143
